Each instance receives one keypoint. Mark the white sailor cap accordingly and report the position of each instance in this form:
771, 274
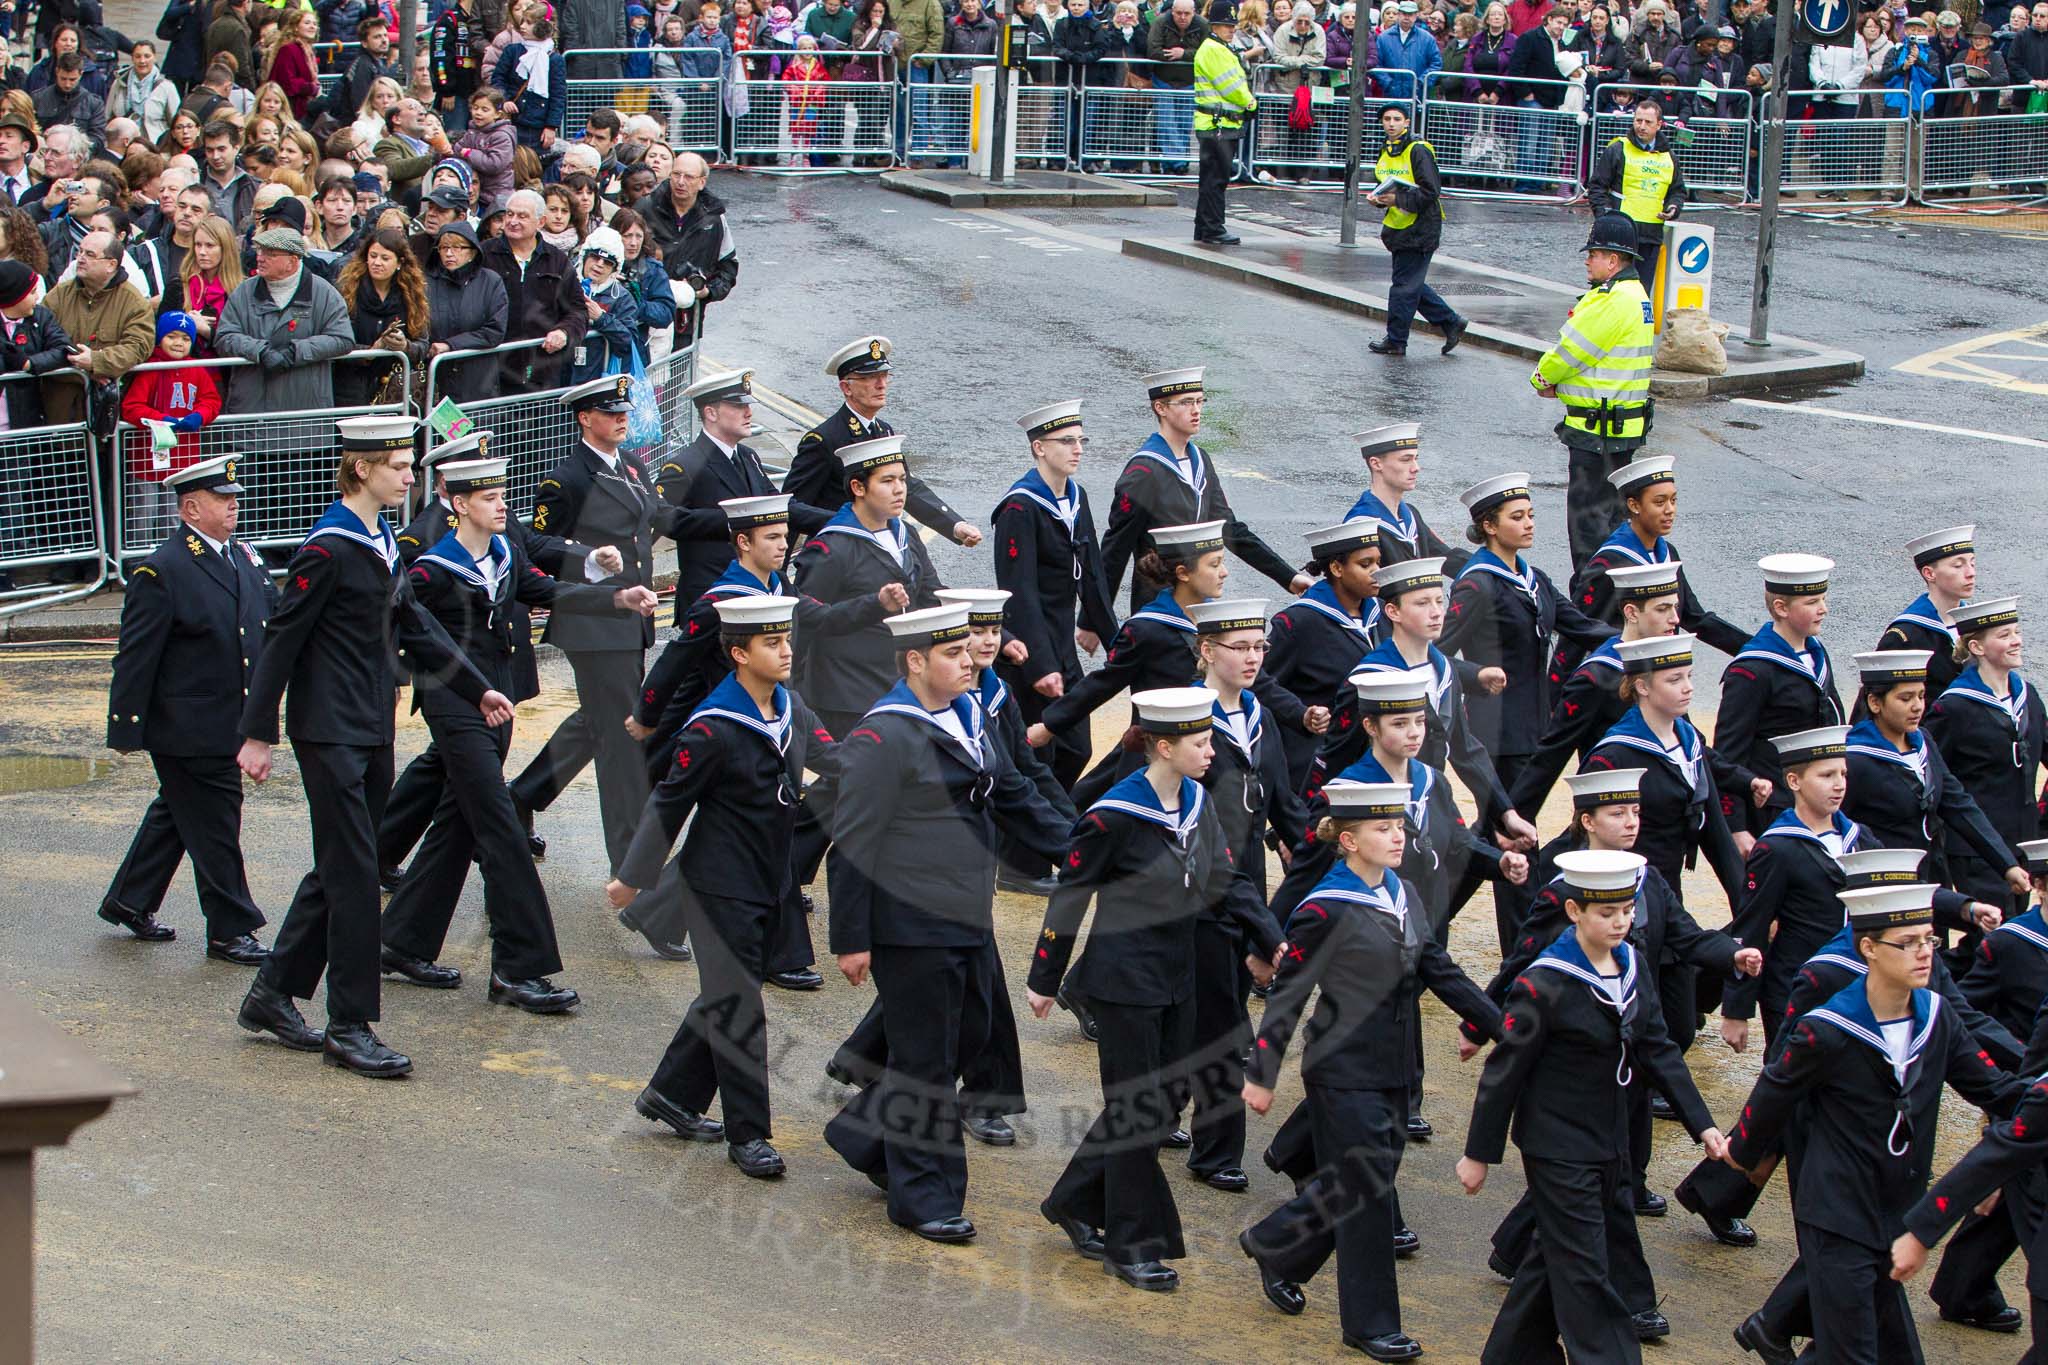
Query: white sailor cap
1796, 575
1407, 576
1383, 692
1808, 746
1883, 667
1174, 710
214, 475
869, 355
1605, 787
1882, 866
1640, 473
1874, 909
380, 432
1939, 545
1366, 800
474, 446
863, 458
734, 386
1487, 494
929, 626
1046, 420
1189, 541
1987, 614
1228, 614
744, 514
1170, 383
1654, 653
755, 614
1644, 582
984, 605
1334, 542
2035, 853
611, 393
472, 476
1600, 874
1394, 436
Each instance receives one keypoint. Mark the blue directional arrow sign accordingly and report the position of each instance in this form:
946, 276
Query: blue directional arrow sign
1826, 16
1692, 257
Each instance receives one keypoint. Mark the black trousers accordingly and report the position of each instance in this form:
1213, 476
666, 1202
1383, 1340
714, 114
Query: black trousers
1350, 1206
991, 1081
1409, 293
1113, 1181
1071, 748
1563, 1290
331, 925
814, 812
607, 685
721, 1047
475, 816
906, 1126
1217, 157
1860, 1314
1592, 508
414, 798
1649, 250
663, 913
1222, 1029
197, 810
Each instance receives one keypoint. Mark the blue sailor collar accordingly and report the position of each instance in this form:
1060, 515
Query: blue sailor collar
1626, 543
1156, 448
1788, 825
1970, 686
1134, 797
1840, 951
1421, 782
893, 538
1869, 741
739, 581
1323, 598
1921, 611
1636, 733
994, 693
1565, 955
1603, 655
730, 701
1064, 509
2030, 926
1398, 521
1340, 883
1810, 663
1166, 611
1253, 724
900, 700
1386, 658
1849, 1010
1484, 560
452, 555
339, 520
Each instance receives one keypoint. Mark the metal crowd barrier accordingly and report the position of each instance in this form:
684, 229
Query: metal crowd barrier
1508, 150
1847, 148
1961, 152
1713, 152
689, 108
800, 123
49, 504
940, 105
1277, 147
1140, 132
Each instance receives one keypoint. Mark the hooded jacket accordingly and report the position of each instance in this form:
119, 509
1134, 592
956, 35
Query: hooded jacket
468, 307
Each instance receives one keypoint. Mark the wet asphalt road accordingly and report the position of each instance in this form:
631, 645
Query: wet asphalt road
505, 1201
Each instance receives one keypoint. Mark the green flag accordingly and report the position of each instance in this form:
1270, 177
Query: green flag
449, 421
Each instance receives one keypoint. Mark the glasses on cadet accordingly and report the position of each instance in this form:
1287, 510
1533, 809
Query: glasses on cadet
1916, 946
1192, 401
1245, 650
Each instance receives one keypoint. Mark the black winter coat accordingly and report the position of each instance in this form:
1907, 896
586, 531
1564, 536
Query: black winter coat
469, 309
546, 297
38, 346
700, 244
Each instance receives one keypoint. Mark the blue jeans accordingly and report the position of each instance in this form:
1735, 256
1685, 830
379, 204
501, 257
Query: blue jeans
1409, 294
1533, 142
916, 111
1173, 123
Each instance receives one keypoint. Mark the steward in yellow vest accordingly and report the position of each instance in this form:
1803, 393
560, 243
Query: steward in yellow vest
1406, 185
1638, 177
1223, 101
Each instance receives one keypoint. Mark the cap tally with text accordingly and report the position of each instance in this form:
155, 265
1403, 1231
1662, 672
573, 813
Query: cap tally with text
1222, 616
1042, 422
863, 458
744, 514
472, 476
1881, 866
1190, 541
1600, 874
755, 614
2034, 855
984, 605
1334, 542
474, 446
1886, 667
1173, 383
1366, 800
1874, 909
1641, 583
1809, 746
377, 433
1936, 546
1389, 438
606, 393
1988, 614
1384, 693
869, 355
1175, 710
928, 626
216, 475
1605, 787
1637, 475
1796, 575
1654, 653
734, 386
1408, 576
1487, 494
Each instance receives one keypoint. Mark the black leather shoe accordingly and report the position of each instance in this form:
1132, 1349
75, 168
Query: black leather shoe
142, 926
1385, 347
535, 995
1283, 1293
537, 846
1650, 1204
1660, 1108
1649, 1324
755, 1158
1419, 1129
2006, 1319
1231, 1179
1080, 1012
357, 1048
243, 950
1454, 332
419, 971
1262, 991
668, 952
990, 1129
1388, 1346
1727, 1231
1499, 1266
810, 906
1407, 1241
390, 877
1751, 1336
1026, 886
800, 979
266, 1009
1148, 1275
661, 1109
1086, 1240
954, 1229
844, 1074
1179, 1138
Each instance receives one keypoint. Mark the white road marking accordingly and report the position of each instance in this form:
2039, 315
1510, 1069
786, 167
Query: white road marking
998, 220
1963, 361
1894, 422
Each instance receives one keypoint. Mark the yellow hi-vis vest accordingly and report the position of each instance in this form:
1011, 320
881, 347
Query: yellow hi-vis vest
1401, 168
1601, 363
1223, 96
1645, 176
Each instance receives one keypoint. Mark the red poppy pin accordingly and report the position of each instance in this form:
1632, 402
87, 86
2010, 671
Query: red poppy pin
291, 324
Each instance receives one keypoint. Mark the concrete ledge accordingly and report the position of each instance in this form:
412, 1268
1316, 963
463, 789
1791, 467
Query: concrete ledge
1028, 189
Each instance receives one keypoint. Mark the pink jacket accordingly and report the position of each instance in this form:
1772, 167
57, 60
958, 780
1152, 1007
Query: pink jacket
489, 153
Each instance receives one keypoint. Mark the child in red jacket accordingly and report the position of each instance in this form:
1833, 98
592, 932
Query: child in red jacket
187, 399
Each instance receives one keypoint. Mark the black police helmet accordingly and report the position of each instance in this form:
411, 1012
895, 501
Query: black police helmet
1613, 232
